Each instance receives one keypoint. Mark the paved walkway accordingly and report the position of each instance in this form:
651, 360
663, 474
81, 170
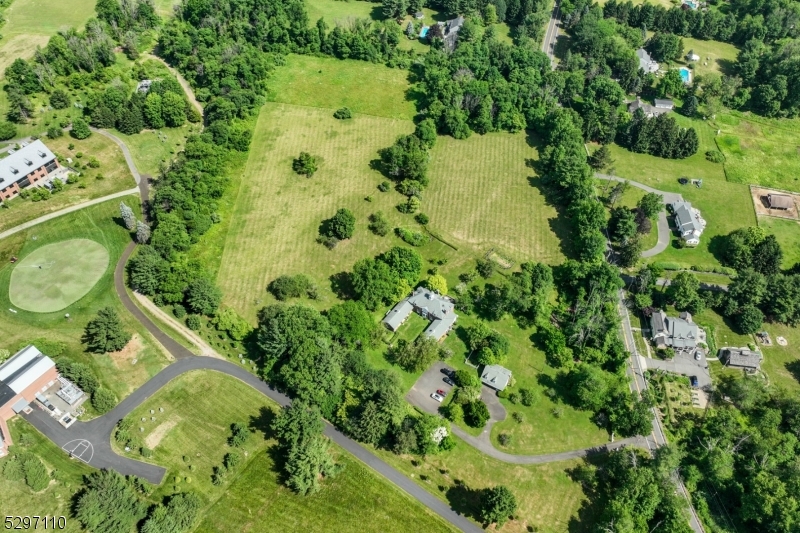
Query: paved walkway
662, 224
65, 211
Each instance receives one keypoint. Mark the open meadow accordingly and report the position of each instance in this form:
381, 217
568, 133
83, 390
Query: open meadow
30, 23
190, 438
121, 372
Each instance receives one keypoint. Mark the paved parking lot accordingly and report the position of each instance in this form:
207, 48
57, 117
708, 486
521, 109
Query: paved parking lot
430, 381
683, 364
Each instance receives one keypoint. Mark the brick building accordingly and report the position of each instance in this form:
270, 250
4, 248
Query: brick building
26, 374
29, 165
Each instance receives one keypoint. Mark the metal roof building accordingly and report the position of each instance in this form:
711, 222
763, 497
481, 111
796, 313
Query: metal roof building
496, 376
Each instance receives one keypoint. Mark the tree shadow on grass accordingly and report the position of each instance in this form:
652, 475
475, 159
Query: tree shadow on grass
717, 245
262, 422
560, 225
794, 369
342, 285
592, 507
558, 383
464, 500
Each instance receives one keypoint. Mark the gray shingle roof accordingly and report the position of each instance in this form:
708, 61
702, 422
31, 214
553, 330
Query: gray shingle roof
780, 201
741, 358
685, 219
398, 314
496, 376
24, 161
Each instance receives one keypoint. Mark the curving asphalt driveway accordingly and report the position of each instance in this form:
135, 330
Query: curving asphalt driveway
662, 224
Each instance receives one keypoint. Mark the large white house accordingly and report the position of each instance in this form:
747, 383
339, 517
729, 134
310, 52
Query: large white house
689, 222
428, 304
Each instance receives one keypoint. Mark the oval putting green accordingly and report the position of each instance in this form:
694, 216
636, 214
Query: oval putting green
56, 275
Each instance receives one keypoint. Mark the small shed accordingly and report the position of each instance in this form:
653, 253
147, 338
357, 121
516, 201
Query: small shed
419, 15
780, 201
743, 358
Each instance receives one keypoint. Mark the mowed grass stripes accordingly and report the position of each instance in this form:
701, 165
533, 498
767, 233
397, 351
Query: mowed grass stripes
484, 196
278, 213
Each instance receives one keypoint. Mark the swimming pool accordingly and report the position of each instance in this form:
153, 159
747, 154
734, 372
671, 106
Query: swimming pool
686, 75
424, 32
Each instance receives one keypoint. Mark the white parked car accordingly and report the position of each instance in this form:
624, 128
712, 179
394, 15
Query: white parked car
698, 356
437, 397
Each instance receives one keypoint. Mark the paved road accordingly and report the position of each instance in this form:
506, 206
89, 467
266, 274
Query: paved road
551, 33
66, 210
663, 225
639, 384
431, 380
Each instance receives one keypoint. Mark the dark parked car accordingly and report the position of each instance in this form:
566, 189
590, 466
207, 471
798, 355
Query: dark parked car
447, 372
449, 382
693, 381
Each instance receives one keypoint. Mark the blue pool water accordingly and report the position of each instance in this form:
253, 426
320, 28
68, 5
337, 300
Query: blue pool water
686, 75
424, 32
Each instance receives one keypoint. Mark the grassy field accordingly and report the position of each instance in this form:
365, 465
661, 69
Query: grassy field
116, 177
55, 500
717, 198
715, 56
782, 363
760, 150
189, 438
30, 23
278, 213
54, 276
116, 371
788, 234
366, 88
548, 500
151, 149
483, 196
630, 198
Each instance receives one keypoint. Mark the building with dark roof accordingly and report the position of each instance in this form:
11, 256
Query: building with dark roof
450, 31
22, 377
780, 201
428, 304
31, 164
741, 358
646, 63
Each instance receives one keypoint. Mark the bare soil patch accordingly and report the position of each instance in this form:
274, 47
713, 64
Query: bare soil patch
760, 194
154, 438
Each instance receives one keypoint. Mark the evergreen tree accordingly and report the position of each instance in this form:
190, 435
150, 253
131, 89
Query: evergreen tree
497, 505
59, 99
131, 120
173, 109
126, 213
305, 164
203, 296
109, 503
104, 333
103, 117
342, 225
146, 270
690, 106
153, 113
142, 232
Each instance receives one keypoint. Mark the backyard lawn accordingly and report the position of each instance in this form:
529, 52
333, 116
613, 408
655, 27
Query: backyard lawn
715, 57
788, 234
190, 438
121, 372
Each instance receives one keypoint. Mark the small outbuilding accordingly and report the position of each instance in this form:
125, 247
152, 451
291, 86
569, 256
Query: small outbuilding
419, 15
496, 376
743, 358
780, 201
691, 56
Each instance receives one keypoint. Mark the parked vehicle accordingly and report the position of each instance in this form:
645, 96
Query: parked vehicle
698, 356
437, 397
447, 372
441, 393
449, 382
693, 381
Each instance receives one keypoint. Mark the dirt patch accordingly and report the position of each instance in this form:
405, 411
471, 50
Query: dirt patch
761, 203
154, 438
124, 358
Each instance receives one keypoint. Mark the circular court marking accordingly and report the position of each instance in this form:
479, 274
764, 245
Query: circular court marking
56, 275
80, 449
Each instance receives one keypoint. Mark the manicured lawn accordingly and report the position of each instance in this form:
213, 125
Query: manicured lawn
788, 234
190, 438
715, 56
367, 88
725, 205
55, 500
277, 215
630, 198
116, 177
760, 150
334, 11
164, 7
116, 371
548, 500
782, 363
